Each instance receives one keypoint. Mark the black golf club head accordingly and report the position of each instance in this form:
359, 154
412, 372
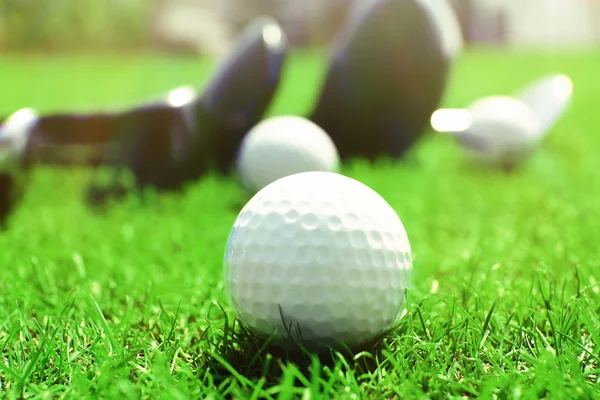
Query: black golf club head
14, 160
153, 142
169, 143
62, 139
387, 75
242, 89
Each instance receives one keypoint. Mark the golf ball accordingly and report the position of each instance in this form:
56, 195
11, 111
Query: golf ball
282, 146
502, 130
318, 256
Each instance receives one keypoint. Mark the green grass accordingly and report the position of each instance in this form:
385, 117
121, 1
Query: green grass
129, 302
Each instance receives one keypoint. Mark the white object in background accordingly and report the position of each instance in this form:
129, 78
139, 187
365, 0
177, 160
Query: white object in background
505, 130
320, 255
564, 24
502, 130
282, 146
548, 98
194, 24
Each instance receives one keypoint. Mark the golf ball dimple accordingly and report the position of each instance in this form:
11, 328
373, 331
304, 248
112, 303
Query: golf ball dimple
336, 271
283, 146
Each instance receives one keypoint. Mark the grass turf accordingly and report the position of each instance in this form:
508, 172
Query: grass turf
129, 301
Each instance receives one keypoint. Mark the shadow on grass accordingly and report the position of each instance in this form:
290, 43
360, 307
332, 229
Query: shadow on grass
236, 352
100, 199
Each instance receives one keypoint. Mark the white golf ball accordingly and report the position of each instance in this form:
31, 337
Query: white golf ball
282, 146
502, 130
320, 256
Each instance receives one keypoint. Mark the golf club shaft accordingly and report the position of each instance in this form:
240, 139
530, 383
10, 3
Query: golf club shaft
72, 139
69, 155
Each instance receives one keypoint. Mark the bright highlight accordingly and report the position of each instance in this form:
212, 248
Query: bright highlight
181, 96
451, 120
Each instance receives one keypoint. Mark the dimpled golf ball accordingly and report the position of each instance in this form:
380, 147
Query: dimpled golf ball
282, 146
503, 130
320, 257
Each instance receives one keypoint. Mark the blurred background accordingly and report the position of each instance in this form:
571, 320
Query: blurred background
209, 26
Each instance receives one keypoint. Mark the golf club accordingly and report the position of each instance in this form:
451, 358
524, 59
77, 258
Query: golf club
192, 134
167, 142
506, 135
387, 73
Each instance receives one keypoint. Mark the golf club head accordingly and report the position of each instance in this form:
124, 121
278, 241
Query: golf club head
387, 74
503, 131
548, 97
169, 143
151, 143
240, 92
508, 129
67, 139
15, 133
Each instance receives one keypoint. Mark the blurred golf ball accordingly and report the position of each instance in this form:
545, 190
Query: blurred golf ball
282, 146
320, 256
501, 130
